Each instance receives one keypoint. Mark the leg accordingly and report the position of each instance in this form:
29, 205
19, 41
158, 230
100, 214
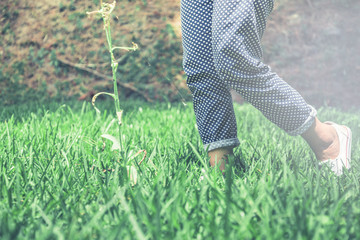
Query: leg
211, 97
237, 30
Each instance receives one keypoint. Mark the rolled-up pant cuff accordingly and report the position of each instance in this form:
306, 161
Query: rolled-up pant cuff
305, 126
226, 143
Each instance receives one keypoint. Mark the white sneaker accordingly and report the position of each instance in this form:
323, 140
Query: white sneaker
343, 159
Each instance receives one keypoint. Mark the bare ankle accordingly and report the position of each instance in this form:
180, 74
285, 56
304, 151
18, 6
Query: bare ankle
323, 140
219, 156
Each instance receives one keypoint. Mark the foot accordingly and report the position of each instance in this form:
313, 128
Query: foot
331, 144
343, 158
219, 156
330, 148
323, 140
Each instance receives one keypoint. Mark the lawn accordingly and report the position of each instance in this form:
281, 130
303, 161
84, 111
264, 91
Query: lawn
59, 178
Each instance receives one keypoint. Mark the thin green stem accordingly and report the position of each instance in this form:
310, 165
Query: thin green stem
113, 66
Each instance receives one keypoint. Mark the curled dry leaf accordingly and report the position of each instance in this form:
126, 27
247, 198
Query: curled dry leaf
98, 94
144, 151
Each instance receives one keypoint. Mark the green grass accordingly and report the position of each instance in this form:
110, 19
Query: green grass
53, 184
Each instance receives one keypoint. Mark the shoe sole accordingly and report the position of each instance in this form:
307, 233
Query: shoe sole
348, 146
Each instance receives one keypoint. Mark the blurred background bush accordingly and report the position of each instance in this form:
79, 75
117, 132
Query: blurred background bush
52, 49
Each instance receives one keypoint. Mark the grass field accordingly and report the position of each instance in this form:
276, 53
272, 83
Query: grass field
59, 181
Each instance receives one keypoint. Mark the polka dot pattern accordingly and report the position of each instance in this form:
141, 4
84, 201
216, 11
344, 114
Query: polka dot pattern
222, 50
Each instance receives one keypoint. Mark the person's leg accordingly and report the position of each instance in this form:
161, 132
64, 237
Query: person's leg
211, 97
237, 30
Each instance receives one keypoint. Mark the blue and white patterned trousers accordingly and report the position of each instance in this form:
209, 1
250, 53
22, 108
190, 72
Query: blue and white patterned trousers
221, 42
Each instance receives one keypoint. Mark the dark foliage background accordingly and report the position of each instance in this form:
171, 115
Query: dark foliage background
52, 49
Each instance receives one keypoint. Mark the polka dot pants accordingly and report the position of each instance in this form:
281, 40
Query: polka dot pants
221, 42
